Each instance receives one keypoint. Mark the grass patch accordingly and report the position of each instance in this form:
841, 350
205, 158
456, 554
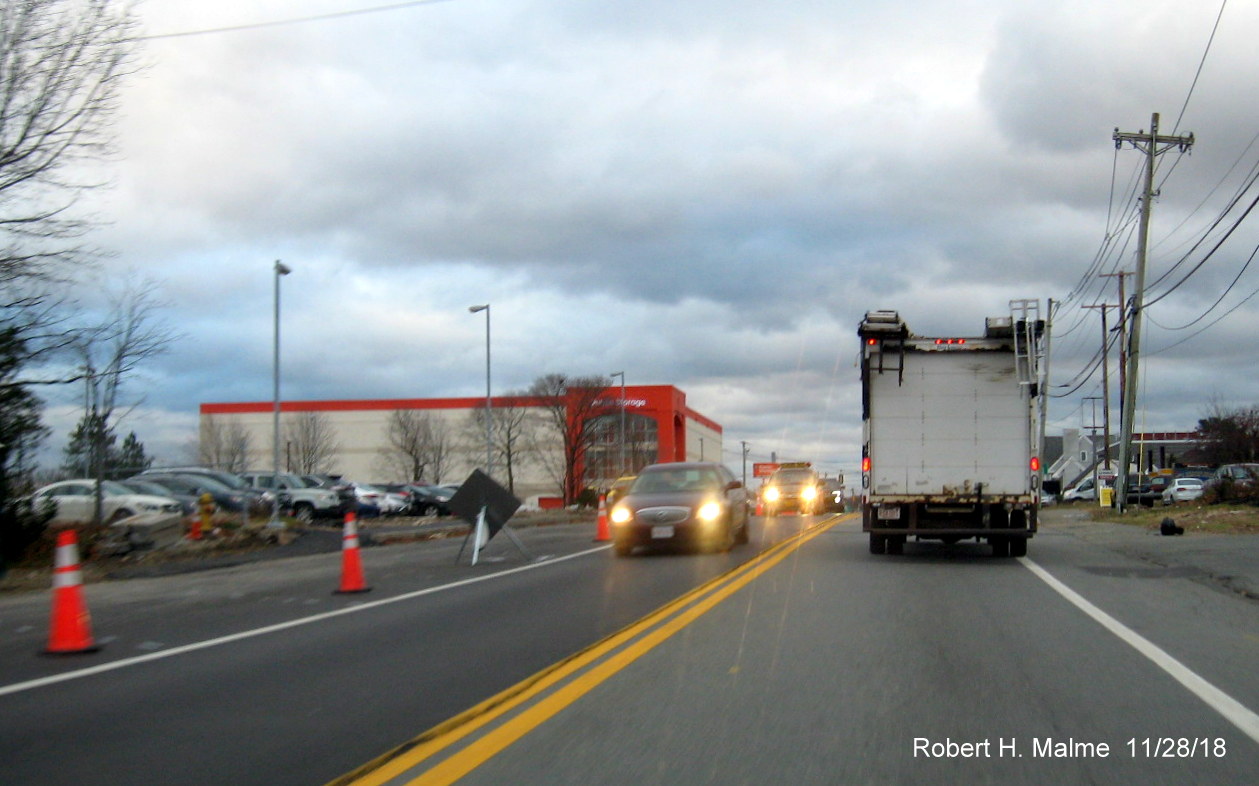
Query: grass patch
1194, 517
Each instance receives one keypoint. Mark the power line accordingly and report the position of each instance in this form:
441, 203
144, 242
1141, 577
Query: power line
291, 21
1210, 324
1201, 63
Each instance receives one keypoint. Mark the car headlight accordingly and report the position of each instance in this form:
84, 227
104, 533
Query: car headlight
809, 492
709, 511
621, 515
771, 494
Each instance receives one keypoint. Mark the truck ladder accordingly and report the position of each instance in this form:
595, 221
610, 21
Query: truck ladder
1029, 350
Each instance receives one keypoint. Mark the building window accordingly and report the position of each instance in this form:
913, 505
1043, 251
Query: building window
603, 458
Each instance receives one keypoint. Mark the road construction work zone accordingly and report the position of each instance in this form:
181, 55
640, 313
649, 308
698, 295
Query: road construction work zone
451, 750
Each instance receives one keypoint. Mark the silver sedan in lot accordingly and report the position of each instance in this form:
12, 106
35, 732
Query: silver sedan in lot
698, 504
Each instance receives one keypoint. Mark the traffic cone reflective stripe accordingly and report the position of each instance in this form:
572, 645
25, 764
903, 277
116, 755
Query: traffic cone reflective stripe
351, 563
601, 532
70, 628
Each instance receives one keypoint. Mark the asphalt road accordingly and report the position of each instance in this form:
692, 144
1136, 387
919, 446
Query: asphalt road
942, 666
812, 664
260, 674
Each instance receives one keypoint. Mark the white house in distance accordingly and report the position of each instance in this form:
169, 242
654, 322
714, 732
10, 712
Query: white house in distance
659, 427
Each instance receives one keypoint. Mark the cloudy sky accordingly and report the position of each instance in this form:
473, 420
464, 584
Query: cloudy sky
708, 195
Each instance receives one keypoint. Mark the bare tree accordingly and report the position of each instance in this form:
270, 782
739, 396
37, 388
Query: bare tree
409, 448
224, 446
570, 403
311, 442
440, 447
510, 427
61, 64
130, 333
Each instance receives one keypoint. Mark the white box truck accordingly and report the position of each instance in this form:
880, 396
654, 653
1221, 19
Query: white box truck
952, 432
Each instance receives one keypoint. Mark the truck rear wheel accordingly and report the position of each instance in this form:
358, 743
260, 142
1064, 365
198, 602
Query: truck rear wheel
1000, 546
1018, 547
878, 544
895, 544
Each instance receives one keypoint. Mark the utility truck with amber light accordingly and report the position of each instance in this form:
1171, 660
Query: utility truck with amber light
952, 432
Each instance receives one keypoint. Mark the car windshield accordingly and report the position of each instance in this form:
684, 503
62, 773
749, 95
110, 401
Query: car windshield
208, 483
790, 477
666, 480
112, 489
146, 487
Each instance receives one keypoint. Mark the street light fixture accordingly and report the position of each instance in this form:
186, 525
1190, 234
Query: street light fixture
621, 374
280, 270
488, 406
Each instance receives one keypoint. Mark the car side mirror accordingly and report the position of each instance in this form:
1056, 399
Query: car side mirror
734, 484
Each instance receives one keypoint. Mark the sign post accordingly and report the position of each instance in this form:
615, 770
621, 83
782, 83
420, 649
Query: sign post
487, 506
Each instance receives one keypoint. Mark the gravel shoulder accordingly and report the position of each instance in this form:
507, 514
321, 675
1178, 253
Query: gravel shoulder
1219, 546
230, 550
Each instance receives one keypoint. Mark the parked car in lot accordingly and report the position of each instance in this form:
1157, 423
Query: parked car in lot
307, 503
1182, 490
426, 500
1234, 480
259, 500
188, 503
1084, 491
374, 501
225, 499
698, 504
74, 501
343, 488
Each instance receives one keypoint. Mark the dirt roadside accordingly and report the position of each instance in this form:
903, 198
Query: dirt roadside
228, 549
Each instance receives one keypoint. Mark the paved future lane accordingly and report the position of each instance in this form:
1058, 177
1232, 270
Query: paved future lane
941, 666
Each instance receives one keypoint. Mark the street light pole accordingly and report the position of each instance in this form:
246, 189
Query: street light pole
488, 406
621, 374
280, 270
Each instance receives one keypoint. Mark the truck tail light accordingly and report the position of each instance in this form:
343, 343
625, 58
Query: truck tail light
1035, 463
865, 463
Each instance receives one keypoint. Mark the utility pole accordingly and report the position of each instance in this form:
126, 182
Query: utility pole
1105, 383
1123, 333
1092, 427
745, 462
1152, 145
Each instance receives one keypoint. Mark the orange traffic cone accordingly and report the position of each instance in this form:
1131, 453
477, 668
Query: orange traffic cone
601, 533
351, 565
71, 628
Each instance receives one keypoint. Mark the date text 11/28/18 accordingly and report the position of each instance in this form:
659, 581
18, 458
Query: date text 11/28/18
1178, 747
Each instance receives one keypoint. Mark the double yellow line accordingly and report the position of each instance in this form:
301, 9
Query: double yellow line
543, 695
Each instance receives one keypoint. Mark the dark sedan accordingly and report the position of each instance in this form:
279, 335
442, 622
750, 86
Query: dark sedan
696, 504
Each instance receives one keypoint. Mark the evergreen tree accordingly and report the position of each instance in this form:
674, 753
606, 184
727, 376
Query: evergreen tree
20, 435
91, 446
131, 458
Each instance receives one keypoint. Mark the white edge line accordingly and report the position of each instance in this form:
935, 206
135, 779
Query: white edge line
41, 682
1234, 711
